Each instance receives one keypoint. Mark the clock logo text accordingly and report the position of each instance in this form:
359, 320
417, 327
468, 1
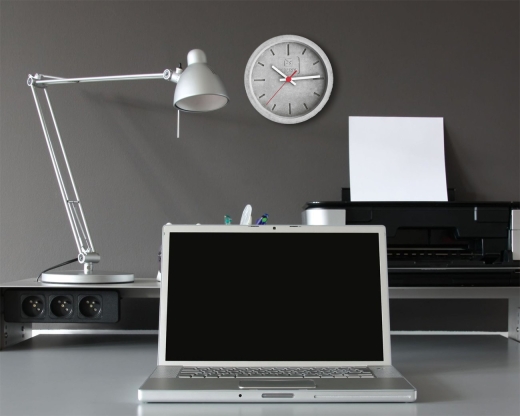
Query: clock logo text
290, 64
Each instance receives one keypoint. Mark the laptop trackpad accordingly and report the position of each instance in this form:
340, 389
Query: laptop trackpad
277, 384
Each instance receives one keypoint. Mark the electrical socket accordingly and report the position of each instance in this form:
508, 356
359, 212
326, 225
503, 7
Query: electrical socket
61, 306
32, 306
90, 306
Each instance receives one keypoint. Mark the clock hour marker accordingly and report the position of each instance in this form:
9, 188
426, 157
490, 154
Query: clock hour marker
289, 108
317, 62
287, 49
304, 51
317, 94
261, 96
305, 105
259, 79
260, 63
272, 51
274, 106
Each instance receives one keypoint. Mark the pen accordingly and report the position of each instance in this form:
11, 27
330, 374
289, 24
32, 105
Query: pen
262, 220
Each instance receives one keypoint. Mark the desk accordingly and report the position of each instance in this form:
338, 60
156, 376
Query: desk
14, 333
100, 374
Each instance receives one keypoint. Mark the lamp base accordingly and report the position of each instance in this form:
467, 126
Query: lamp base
80, 277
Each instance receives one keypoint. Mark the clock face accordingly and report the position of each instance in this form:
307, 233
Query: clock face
288, 79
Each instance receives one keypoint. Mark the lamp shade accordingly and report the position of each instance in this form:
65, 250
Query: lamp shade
199, 89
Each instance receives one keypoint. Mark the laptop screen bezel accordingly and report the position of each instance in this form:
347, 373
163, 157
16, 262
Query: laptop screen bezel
383, 265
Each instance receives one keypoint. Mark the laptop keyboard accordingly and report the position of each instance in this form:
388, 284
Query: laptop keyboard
275, 372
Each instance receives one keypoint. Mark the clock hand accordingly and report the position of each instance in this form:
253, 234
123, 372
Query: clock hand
282, 74
288, 79
308, 77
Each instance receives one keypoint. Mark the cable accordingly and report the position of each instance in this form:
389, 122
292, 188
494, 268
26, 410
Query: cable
55, 267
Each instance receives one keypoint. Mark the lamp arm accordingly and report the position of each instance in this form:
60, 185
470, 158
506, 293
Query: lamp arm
40, 80
78, 223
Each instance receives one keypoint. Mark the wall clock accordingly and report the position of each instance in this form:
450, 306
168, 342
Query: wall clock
288, 79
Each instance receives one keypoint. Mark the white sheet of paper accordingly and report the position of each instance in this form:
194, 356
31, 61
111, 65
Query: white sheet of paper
397, 159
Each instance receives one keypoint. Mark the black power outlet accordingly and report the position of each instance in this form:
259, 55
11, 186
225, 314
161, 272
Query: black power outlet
70, 306
90, 306
33, 306
61, 306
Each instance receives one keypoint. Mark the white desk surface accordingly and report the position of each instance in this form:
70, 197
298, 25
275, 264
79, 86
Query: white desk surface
98, 375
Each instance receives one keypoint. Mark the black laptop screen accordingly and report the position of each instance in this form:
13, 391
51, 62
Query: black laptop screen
236, 296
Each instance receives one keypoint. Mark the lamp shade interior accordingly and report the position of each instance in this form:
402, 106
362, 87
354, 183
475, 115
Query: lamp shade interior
201, 103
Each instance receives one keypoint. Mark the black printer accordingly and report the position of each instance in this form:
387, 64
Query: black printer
437, 243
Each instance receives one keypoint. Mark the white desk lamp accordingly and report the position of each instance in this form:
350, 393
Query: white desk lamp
198, 90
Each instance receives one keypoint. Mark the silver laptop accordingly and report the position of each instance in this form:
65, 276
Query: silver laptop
274, 313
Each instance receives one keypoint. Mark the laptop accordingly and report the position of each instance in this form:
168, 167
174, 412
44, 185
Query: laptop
274, 313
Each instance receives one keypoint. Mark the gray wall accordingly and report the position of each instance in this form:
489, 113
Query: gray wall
457, 60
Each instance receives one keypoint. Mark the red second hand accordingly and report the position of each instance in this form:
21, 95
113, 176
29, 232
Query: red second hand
287, 79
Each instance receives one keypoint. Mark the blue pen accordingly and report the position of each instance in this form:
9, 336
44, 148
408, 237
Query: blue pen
262, 220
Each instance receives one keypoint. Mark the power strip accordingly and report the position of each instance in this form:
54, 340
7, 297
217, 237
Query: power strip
72, 306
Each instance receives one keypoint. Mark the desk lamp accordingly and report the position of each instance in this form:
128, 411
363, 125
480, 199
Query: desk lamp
198, 90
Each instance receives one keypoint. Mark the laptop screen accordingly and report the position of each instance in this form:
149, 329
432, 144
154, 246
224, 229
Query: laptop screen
274, 296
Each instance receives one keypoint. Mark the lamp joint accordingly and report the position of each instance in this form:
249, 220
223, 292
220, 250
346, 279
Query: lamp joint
169, 75
32, 78
92, 257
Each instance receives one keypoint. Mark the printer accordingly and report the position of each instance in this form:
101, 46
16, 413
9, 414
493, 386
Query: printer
445, 243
